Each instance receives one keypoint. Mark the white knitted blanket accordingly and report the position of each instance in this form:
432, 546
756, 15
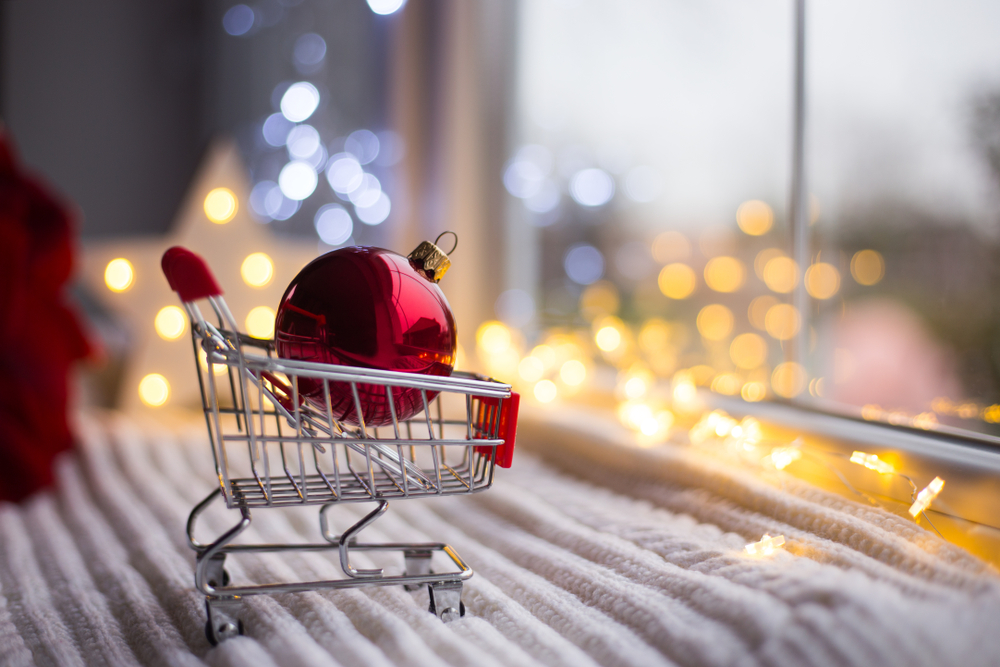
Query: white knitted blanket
646, 569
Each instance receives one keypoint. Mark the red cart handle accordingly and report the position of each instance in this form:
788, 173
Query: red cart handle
188, 275
508, 426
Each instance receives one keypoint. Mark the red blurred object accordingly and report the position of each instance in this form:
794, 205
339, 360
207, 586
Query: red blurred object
40, 337
371, 308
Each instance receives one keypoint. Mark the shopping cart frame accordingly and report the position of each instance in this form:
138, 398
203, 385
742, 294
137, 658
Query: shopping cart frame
416, 459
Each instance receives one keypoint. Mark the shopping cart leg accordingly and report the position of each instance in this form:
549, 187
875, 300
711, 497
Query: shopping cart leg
418, 564
446, 600
349, 537
223, 619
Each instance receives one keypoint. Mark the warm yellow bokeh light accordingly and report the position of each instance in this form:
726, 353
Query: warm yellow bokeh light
781, 274
546, 355
608, 338
788, 379
748, 351
754, 217
154, 390
573, 373
677, 281
867, 267
726, 383
670, 247
119, 275
257, 270
531, 369
822, 280
763, 257
782, 321
545, 391
758, 310
654, 336
724, 274
493, 337
170, 322
754, 391
260, 322
599, 300
715, 321
221, 205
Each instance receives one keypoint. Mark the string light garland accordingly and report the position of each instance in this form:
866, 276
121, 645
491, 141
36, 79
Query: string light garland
926, 497
872, 462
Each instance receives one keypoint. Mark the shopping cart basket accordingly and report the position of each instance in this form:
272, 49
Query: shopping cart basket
272, 449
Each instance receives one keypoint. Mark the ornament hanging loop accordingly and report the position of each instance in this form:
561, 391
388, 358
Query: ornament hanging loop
445, 233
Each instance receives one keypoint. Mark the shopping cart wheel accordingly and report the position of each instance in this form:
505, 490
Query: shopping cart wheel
222, 623
446, 600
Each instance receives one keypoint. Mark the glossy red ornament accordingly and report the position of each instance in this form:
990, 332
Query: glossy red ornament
372, 308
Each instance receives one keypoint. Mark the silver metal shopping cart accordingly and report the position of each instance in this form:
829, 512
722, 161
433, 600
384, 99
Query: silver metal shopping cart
272, 449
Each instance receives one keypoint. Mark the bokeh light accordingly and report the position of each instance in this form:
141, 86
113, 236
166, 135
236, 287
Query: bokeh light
493, 337
788, 379
344, 173
310, 49
573, 372
592, 187
671, 247
598, 300
782, 321
531, 369
299, 101
119, 275
584, 264
822, 280
754, 217
154, 390
297, 180
545, 391
238, 20
727, 383
386, 7
754, 391
748, 351
302, 142
333, 224
677, 281
375, 212
257, 269
608, 338
724, 274
715, 321
276, 129
363, 145
867, 267
757, 311
781, 274
654, 337
220, 205
170, 322
367, 191
260, 322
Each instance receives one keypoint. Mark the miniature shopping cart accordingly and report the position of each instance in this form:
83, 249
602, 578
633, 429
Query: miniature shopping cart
272, 449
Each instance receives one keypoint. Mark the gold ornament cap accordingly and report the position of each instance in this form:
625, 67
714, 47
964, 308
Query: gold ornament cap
431, 260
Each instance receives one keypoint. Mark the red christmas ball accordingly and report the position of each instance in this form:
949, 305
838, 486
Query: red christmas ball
371, 308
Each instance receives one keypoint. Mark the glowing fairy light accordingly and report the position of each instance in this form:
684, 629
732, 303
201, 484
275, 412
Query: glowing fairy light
926, 496
493, 337
170, 322
608, 338
545, 391
154, 390
766, 546
872, 462
782, 457
221, 205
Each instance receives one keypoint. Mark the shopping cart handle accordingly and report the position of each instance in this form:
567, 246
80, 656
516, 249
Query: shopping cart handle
188, 275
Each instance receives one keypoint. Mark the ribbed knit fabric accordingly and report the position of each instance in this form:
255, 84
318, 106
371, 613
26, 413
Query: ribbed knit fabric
593, 553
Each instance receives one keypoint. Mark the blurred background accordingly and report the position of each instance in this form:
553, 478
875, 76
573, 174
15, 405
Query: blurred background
618, 174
